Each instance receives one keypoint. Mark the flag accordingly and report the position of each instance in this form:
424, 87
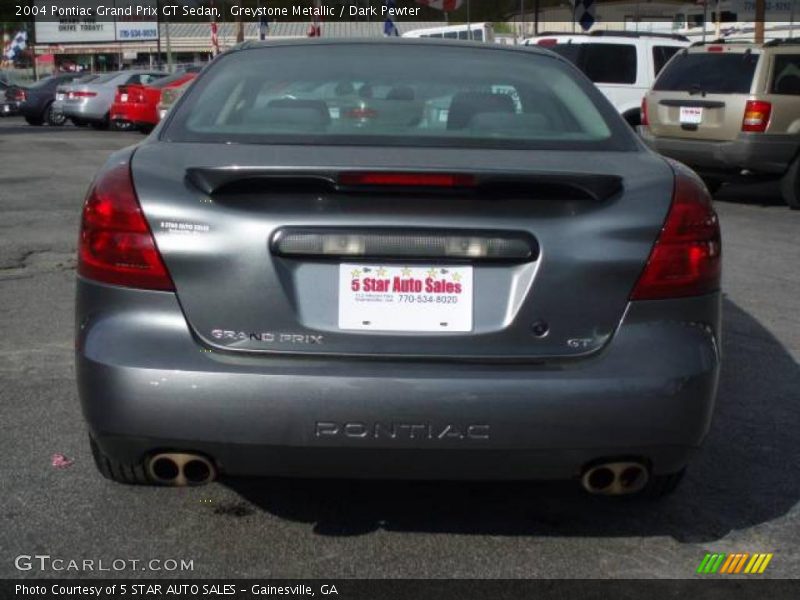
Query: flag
315, 29
584, 13
443, 5
389, 28
16, 46
214, 39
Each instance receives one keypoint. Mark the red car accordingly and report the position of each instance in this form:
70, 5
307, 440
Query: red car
135, 105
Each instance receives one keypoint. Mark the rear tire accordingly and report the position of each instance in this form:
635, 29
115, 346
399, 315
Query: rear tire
53, 118
36, 121
790, 186
116, 471
661, 486
633, 118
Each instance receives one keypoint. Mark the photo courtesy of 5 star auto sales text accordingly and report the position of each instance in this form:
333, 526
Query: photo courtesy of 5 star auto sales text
399, 299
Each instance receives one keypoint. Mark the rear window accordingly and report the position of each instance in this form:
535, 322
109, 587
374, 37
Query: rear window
661, 56
106, 77
42, 83
164, 81
786, 74
711, 73
609, 63
602, 63
569, 51
379, 94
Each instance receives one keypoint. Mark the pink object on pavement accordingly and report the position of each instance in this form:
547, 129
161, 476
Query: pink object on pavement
60, 461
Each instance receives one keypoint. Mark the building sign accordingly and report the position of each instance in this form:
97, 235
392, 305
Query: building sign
90, 21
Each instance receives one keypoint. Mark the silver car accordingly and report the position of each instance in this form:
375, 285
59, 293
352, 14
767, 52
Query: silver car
473, 271
90, 103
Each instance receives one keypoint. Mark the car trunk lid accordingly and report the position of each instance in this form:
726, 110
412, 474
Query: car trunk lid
545, 255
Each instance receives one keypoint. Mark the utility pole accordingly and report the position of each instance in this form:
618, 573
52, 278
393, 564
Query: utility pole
469, 23
169, 46
158, 33
239, 30
760, 10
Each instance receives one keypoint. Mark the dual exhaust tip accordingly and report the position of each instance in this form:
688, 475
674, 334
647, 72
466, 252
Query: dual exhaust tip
615, 478
181, 469
185, 469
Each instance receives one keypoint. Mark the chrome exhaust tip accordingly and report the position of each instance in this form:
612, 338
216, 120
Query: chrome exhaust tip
615, 478
181, 469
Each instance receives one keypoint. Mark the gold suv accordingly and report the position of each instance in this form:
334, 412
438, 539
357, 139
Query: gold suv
730, 110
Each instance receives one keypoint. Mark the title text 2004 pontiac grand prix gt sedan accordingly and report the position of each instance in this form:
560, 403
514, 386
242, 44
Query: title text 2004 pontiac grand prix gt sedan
401, 259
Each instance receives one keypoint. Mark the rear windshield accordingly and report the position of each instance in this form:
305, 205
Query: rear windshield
711, 73
395, 94
163, 81
42, 83
106, 77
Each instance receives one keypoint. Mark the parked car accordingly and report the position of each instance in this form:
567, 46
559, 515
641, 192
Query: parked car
37, 107
731, 111
136, 105
62, 91
169, 96
13, 96
3, 110
90, 103
622, 64
513, 287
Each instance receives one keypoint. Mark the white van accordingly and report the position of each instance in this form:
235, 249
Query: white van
622, 64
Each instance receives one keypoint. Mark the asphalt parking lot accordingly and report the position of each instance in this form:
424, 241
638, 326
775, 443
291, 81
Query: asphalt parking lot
741, 494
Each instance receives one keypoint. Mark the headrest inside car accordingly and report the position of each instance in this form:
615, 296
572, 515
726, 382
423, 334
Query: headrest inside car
466, 105
305, 114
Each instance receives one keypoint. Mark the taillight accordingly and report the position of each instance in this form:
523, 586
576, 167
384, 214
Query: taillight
686, 259
643, 114
547, 42
116, 245
407, 179
715, 49
361, 113
756, 116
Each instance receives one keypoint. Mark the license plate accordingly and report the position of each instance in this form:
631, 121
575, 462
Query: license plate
405, 298
691, 115
123, 98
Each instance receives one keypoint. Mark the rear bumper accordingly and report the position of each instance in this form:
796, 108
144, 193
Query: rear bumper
91, 110
762, 153
9, 108
145, 384
139, 114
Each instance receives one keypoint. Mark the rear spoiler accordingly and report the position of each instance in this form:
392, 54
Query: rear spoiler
562, 186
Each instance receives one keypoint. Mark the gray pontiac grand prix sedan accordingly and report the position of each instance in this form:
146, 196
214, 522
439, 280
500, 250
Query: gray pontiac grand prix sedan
397, 259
